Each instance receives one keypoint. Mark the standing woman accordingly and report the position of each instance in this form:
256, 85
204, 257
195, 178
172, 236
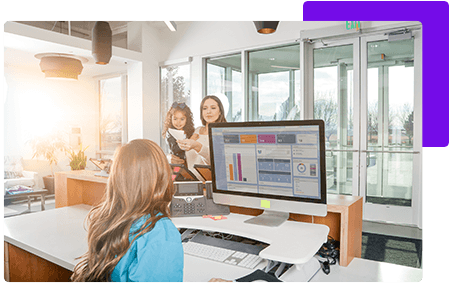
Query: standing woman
130, 235
211, 111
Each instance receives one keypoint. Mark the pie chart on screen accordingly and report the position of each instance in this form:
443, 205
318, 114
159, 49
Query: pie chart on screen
301, 167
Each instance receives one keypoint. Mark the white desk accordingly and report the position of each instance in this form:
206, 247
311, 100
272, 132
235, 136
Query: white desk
292, 242
58, 236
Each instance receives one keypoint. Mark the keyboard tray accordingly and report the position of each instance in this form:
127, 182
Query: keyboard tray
227, 244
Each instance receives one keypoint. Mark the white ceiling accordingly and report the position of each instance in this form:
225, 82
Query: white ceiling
20, 51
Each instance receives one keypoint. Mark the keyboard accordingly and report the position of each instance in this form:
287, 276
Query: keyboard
229, 252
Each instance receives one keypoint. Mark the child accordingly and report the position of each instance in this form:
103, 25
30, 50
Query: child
130, 235
178, 117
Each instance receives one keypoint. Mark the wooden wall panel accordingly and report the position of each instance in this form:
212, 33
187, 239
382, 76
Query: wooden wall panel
333, 221
6, 261
92, 192
27, 267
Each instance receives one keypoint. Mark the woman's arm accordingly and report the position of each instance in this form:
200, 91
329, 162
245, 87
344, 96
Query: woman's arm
173, 159
189, 144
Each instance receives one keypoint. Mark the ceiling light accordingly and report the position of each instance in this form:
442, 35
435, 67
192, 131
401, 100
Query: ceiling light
101, 42
266, 27
172, 25
60, 65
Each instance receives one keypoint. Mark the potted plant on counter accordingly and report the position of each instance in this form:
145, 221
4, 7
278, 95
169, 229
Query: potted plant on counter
49, 148
78, 159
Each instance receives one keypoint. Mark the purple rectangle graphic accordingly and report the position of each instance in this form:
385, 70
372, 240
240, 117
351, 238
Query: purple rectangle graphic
434, 16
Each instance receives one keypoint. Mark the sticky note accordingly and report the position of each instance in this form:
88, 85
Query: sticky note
265, 203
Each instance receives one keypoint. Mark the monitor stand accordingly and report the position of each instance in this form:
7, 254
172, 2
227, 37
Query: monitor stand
269, 218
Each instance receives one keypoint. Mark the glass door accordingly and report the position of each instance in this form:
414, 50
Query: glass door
390, 137
336, 95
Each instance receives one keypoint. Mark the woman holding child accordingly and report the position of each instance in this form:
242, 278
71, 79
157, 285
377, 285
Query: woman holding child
195, 147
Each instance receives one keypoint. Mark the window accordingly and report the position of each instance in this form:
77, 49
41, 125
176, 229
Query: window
390, 112
224, 79
333, 103
175, 87
113, 122
273, 80
274, 84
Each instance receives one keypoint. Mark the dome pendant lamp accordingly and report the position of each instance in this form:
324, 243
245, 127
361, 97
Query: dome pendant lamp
101, 42
266, 27
61, 65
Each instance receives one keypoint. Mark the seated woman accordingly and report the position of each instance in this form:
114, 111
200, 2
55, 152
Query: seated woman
197, 148
130, 235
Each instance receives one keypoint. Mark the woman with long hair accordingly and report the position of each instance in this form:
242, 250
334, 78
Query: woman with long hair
130, 235
211, 111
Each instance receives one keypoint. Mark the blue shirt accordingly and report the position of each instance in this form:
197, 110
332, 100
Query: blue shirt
155, 256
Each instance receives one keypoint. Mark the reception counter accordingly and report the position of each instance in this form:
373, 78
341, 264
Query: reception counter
344, 217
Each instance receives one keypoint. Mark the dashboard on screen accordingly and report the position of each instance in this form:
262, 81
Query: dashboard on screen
277, 160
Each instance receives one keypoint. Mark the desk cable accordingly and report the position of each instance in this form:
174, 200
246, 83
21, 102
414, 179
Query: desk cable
330, 252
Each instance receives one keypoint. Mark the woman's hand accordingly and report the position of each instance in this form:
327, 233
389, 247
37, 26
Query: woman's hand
173, 159
188, 144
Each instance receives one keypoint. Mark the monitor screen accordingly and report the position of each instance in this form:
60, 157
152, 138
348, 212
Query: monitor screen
277, 165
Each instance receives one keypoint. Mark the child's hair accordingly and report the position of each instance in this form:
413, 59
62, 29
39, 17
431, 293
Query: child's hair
139, 185
189, 128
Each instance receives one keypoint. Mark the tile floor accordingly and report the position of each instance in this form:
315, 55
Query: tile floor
21, 206
392, 229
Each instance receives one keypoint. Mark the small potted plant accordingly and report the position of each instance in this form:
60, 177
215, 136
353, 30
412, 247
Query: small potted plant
49, 147
77, 159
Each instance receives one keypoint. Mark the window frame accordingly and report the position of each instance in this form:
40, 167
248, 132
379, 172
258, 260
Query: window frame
124, 105
162, 109
245, 53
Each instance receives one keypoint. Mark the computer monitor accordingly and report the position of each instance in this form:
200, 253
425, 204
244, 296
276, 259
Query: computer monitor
277, 166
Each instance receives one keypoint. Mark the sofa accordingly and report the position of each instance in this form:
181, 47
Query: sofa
16, 175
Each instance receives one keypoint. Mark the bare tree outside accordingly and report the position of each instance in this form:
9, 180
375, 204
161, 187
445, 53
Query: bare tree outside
325, 108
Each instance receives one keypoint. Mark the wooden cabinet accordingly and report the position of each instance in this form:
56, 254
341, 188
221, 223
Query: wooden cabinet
23, 266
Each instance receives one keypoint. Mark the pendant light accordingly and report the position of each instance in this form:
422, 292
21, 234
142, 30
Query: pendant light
266, 27
101, 42
60, 65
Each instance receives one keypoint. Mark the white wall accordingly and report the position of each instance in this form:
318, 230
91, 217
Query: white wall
143, 83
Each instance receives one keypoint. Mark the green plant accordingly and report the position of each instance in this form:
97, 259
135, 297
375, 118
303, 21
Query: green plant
48, 147
77, 159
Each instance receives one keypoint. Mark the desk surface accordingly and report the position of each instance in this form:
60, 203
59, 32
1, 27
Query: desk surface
87, 175
57, 235
292, 242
